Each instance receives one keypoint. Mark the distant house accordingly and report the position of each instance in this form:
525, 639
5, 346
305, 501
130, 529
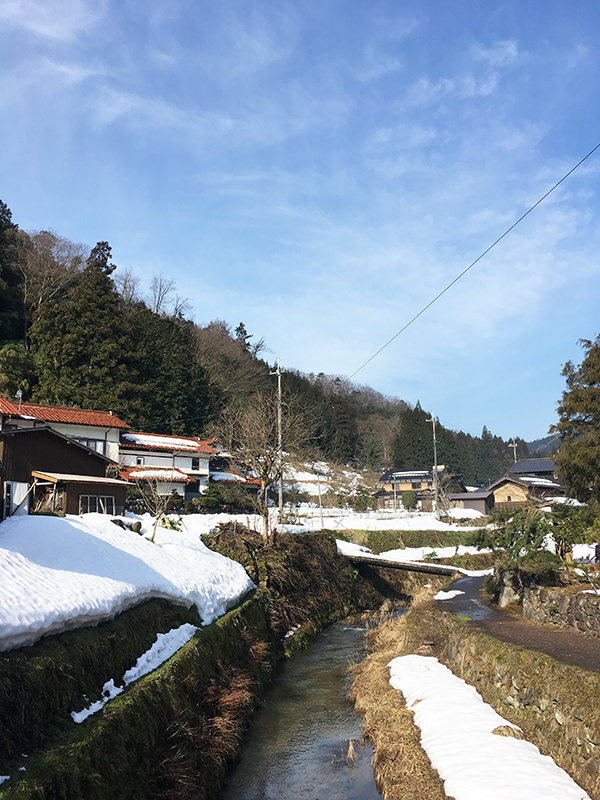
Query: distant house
419, 481
512, 492
177, 463
98, 430
47, 471
533, 468
483, 501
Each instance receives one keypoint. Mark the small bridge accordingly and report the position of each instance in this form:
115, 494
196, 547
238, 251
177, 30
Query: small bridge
411, 566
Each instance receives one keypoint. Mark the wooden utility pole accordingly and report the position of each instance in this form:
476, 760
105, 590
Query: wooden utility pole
279, 439
436, 490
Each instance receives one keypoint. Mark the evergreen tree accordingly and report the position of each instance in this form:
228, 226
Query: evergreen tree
413, 448
12, 324
17, 370
578, 459
83, 346
173, 384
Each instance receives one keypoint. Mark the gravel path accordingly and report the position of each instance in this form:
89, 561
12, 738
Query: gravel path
570, 647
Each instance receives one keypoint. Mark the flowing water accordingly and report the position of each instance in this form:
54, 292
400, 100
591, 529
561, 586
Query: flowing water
297, 748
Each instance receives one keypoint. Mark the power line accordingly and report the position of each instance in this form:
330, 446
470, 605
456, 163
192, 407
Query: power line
472, 264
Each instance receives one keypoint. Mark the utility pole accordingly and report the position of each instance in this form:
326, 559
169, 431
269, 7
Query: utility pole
513, 444
279, 439
320, 501
433, 420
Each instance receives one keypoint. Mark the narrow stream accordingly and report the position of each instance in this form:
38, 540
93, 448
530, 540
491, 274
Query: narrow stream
297, 748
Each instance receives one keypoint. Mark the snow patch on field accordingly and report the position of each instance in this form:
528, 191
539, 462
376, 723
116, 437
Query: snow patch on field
457, 735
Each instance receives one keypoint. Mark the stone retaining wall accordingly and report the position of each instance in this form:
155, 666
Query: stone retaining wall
548, 604
555, 705
579, 611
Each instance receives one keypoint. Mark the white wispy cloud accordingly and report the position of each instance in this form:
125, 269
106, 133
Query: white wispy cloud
60, 20
377, 64
500, 54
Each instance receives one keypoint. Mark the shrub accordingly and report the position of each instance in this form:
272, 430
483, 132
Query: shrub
540, 562
409, 500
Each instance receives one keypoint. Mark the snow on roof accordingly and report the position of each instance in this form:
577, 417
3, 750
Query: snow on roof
62, 573
170, 475
157, 441
75, 416
410, 473
532, 481
227, 477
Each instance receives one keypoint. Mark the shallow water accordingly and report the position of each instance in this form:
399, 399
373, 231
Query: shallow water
298, 745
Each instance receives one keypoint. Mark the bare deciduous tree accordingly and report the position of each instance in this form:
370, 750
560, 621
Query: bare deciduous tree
250, 432
160, 288
154, 498
49, 266
127, 284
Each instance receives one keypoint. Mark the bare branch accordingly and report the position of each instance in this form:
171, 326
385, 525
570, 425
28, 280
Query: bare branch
160, 288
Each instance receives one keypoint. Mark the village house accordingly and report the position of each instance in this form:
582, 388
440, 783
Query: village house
179, 464
98, 430
419, 481
47, 471
526, 481
482, 501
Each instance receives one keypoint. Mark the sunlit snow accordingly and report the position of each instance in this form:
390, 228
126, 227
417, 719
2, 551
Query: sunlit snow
456, 733
61, 573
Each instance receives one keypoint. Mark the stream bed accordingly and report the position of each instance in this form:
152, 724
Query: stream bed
298, 746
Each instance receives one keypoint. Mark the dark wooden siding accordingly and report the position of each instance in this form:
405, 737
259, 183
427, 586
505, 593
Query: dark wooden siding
73, 492
45, 451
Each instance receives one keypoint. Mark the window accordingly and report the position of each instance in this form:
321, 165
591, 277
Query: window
416, 485
93, 444
140, 461
94, 503
195, 464
509, 499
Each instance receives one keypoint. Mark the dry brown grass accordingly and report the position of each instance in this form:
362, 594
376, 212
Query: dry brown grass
402, 769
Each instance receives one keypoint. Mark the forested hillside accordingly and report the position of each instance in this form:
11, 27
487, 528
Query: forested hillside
75, 331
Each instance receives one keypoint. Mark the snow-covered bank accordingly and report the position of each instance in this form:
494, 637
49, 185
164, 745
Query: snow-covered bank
57, 574
457, 735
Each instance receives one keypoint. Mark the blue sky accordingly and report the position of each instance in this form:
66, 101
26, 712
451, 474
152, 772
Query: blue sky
321, 170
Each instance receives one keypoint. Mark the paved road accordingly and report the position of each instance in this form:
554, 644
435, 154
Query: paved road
569, 647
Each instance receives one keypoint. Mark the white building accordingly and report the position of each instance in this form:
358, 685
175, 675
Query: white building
179, 463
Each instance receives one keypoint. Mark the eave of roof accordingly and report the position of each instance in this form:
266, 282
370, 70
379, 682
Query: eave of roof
63, 477
159, 474
73, 416
471, 495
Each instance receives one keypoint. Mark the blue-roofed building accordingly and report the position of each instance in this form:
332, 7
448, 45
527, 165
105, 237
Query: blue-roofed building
533, 468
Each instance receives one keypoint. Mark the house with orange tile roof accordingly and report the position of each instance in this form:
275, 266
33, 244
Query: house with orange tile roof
98, 430
177, 463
